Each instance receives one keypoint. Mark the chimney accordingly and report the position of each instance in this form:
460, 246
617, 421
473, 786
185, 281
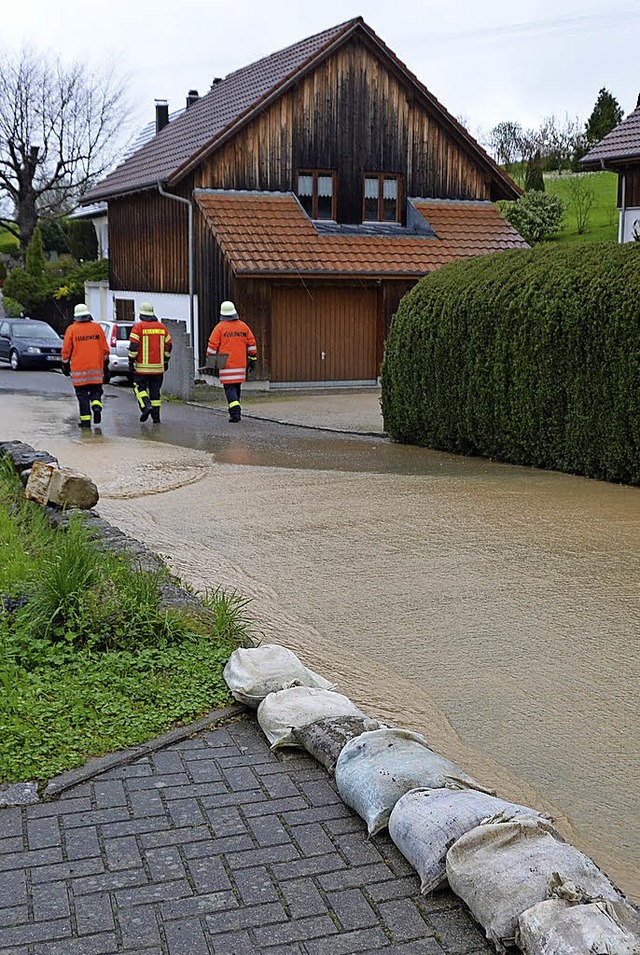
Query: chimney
215, 81
162, 114
192, 97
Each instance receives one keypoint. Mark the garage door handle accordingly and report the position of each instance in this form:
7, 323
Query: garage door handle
322, 355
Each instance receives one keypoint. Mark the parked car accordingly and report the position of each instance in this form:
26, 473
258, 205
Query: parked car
27, 343
117, 334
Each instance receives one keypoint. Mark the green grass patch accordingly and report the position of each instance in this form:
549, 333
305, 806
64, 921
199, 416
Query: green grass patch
90, 659
602, 224
8, 242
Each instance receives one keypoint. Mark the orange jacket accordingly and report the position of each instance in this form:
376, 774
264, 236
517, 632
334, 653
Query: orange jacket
149, 347
85, 348
235, 340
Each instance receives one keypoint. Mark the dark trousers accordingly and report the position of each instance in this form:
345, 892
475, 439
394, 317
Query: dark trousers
89, 399
233, 400
147, 390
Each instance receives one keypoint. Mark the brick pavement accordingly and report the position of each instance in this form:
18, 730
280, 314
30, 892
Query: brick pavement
213, 845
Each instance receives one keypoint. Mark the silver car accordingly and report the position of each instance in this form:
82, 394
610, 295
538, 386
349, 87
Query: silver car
117, 335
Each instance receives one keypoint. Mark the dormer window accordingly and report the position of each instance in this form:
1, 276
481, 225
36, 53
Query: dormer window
317, 193
381, 198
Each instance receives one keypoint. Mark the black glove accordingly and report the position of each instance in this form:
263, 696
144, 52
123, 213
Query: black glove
252, 364
166, 365
132, 366
105, 368
66, 369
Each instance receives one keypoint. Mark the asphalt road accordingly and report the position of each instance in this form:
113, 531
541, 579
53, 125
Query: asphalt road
253, 442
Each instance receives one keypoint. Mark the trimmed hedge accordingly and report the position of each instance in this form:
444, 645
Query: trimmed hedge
530, 357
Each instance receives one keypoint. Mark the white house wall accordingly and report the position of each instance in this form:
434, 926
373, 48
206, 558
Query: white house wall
629, 220
100, 300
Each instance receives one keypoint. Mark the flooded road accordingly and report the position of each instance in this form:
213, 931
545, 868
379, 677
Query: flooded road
493, 608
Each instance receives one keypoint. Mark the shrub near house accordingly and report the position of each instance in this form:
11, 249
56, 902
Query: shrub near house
531, 357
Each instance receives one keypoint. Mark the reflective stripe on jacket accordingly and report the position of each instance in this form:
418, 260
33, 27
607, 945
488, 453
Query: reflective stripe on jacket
235, 340
85, 348
149, 347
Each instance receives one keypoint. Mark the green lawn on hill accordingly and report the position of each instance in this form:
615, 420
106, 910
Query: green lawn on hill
603, 216
8, 243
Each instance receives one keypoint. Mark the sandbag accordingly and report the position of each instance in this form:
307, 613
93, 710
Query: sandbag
424, 823
252, 673
375, 769
501, 869
325, 739
598, 928
282, 713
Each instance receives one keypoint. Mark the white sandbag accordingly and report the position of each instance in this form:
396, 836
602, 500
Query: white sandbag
252, 673
555, 927
375, 769
326, 739
426, 822
501, 869
281, 714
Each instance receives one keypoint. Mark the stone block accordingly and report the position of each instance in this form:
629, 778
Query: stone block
70, 489
37, 488
50, 484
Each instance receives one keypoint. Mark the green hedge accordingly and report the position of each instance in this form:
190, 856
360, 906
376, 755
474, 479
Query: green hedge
531, 357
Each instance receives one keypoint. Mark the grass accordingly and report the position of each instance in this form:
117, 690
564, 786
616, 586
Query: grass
603, 217
90, 660
8, 242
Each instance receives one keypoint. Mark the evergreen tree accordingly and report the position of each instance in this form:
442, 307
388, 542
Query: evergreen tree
83, 242
35, 262
534, 180
606, 115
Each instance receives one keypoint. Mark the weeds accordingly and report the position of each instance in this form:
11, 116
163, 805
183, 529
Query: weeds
90, 660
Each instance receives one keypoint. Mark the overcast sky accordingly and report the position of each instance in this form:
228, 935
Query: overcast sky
485, 61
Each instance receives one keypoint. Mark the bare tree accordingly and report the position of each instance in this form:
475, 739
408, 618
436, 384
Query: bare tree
505, 142
582, 196
59, 132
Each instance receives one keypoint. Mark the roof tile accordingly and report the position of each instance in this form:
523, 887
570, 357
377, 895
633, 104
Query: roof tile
263, 233
623, 142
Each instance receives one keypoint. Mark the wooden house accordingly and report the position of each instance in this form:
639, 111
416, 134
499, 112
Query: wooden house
317, 186
619, 152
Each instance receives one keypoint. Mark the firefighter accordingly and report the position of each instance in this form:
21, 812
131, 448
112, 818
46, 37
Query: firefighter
149, 352
85, 355
233, 344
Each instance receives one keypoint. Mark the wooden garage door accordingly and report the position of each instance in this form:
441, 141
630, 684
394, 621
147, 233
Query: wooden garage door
324, 335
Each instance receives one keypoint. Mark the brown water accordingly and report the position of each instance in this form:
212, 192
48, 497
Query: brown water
494, 609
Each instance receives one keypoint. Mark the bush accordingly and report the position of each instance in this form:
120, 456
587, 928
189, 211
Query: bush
535, 215
12, 308
35, 260
29, 290
83, 241
526, 356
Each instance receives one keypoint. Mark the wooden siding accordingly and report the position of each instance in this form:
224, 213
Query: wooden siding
148, 244
352, 114
632, 189
214, 280
325, 333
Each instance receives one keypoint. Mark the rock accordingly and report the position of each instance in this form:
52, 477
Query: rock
37, 487
23, 455
49, 484
24, 476
71, 489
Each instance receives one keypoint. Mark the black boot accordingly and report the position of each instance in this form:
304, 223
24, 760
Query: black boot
96, 408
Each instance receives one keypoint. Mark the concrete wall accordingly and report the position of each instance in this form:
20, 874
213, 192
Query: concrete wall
179, 379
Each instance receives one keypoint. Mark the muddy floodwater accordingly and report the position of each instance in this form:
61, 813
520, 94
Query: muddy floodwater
494, 609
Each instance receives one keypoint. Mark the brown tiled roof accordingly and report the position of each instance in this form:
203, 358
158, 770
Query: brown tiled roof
270, 234
186, 139
197, 126
621, 144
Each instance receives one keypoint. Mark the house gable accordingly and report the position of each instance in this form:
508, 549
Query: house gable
353, 113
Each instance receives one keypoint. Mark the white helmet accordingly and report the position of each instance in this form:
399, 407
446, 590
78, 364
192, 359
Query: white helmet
81, 313
228, 310
146, 308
